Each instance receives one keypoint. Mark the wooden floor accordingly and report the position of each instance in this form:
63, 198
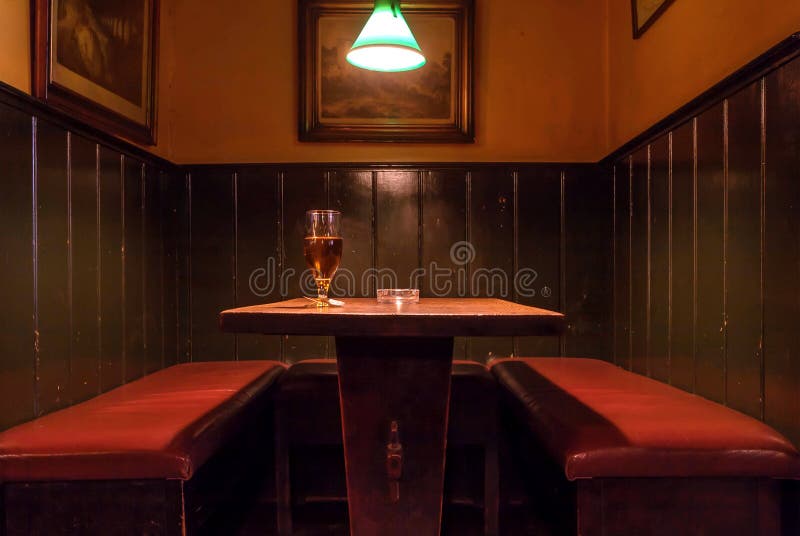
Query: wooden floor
330, 519
319, 484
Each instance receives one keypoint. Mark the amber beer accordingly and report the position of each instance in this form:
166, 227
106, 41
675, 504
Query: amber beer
322, 248
323, 255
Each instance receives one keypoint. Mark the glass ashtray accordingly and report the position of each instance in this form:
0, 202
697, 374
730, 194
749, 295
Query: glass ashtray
398, 295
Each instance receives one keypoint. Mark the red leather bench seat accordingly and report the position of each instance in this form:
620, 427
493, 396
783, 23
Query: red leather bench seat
598, 420
163, 426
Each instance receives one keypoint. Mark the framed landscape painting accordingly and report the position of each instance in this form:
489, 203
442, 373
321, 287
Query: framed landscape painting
95, 60
340, 102
645, 13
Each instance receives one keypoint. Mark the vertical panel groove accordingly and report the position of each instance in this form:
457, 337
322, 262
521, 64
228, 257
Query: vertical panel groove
162, 256
123, 255
420, 217
374, 224
235, 260
328, 351
98, 273
762, 248
143, 262
421, 174
630, 262
694, 254
468, 234
614, 297
281, 250
562, 261
726, 193
515, 261
189, 268
71, 323
649, 264
35, 252
669, 259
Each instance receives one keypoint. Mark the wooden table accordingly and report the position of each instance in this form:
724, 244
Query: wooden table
394, 364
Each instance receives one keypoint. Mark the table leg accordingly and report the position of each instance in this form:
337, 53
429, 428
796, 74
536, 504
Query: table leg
394, 478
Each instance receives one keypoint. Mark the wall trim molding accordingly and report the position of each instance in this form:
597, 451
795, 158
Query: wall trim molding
782, 53
26, 103
394, 166
773, 58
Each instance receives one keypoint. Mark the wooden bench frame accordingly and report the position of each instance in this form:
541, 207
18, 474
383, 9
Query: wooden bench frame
152, 506
637, 506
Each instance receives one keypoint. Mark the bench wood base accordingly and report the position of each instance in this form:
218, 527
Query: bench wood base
226, 483
707, 506
636, 506
95, 507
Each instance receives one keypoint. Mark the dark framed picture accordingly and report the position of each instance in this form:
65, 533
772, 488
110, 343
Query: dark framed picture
95, 60
340, 102
645, 12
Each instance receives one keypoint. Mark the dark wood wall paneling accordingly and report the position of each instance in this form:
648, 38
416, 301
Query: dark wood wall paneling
707, 252
18, 386
587, 275
549, 223
92, 260
539, 229
781, 260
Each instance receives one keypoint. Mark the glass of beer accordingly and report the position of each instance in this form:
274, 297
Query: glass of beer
322, 248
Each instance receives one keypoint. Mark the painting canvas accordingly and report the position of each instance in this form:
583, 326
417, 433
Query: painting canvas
348, 94
345, 103
98, 62
645, 13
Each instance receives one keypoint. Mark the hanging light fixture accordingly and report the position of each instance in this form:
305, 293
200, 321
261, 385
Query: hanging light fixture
386, 42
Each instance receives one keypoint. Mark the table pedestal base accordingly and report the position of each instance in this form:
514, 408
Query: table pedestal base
394, 397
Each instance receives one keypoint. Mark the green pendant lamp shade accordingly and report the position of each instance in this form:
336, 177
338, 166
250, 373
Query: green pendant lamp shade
386, 42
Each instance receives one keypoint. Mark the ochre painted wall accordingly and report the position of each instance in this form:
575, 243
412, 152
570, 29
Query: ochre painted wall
554, 80
540, 90
15, 49
694, 45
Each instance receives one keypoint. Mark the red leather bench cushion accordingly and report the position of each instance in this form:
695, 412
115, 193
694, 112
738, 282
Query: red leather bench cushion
164, 425
601, 421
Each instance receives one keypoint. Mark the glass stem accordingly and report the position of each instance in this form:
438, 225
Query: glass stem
322, 290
